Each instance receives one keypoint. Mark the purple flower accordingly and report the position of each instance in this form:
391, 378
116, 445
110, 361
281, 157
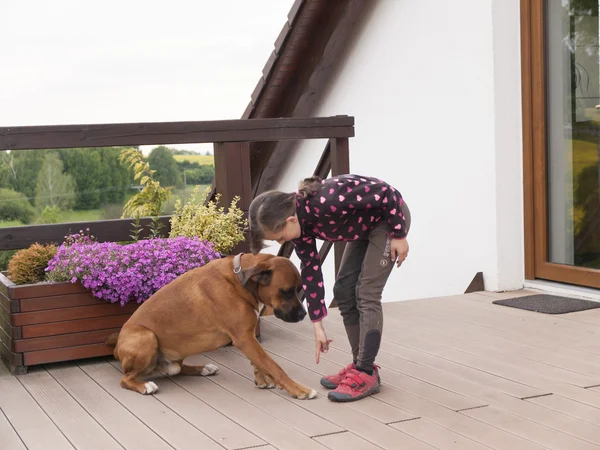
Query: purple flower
128, 273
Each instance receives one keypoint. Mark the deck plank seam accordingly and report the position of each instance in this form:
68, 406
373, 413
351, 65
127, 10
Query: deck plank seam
471, 408
329, 434
537, 396
403, 420
252, 447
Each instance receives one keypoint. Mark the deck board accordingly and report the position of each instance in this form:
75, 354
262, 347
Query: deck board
78, 426
280, 409
530, 430
35, 428
8, 436
345, 441
438, 436
397, 380
265, 426
569, 407
343, 416
219, 427
121, 423
458, 373
166, 423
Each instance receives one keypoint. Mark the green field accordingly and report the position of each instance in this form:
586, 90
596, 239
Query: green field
114, 211
82, 216
203, 160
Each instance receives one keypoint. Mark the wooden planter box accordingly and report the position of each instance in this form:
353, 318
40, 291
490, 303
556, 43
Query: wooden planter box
52, 322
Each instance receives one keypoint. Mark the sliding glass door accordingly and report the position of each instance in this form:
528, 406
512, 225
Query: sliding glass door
561, 89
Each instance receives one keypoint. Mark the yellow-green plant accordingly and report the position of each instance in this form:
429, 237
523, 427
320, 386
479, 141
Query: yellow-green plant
148, 202
206, 220
28, 266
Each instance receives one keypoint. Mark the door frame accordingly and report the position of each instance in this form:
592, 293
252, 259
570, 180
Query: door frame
533, 72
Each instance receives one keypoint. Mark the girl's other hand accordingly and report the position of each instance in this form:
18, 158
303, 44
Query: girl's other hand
399, 249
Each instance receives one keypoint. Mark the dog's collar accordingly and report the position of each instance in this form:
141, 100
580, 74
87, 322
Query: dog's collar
237, 269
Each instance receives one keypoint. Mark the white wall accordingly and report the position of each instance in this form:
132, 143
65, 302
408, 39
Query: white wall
435, 90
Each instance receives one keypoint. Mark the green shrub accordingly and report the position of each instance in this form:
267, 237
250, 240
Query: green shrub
15, 206
5, 257
224, 229
112, 211
50, 214
28, 266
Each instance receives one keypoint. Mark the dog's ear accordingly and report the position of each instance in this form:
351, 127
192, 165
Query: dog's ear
260, 274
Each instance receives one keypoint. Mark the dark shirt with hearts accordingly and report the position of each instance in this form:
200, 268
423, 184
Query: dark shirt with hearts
345, 208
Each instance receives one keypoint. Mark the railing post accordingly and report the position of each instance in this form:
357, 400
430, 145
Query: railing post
340, 165
232, 177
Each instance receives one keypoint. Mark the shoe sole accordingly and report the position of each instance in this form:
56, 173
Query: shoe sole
328, 384
336, 399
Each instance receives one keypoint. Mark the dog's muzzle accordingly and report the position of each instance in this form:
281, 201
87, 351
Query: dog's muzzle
293, 316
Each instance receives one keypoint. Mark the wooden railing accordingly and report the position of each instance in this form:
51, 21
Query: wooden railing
231, 140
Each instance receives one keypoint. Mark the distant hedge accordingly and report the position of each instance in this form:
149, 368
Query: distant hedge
15, 206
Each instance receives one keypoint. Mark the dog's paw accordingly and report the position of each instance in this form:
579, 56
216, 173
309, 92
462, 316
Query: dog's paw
150, 388
307, 395
263, 381
209, 369
265, 385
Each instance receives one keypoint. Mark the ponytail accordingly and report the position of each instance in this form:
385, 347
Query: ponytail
309, 186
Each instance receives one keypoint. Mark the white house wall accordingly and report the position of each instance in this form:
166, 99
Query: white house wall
434, 87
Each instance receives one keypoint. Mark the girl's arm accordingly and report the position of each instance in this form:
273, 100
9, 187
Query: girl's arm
393, 213
312, 277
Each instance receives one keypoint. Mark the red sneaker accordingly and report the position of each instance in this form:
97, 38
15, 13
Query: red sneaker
333, 381
356, 385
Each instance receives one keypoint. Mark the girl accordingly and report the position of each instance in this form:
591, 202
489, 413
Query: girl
371, 216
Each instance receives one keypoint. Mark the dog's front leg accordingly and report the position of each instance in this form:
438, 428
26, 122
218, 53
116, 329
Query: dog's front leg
252, 349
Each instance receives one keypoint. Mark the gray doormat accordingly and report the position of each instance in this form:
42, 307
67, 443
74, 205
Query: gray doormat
548, 304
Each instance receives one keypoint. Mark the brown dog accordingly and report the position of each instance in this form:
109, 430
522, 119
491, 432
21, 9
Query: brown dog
206, 309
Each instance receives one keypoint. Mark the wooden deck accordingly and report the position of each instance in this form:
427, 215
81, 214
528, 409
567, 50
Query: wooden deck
458, 373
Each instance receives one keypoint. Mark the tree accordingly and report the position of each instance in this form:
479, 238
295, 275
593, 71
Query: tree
20, 170
167, 173
85, 166
54, 188
116, 179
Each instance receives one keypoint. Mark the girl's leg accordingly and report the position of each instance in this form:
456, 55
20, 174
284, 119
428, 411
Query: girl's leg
363, 379
344, 291
376, 268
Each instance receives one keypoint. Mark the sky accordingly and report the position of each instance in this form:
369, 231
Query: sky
78, 62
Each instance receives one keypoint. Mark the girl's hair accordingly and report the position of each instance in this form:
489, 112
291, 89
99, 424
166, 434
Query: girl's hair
269, 210
309, 187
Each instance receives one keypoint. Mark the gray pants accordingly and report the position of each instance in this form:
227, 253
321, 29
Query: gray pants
364, 270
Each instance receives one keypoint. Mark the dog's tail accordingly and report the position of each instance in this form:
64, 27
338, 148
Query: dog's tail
112, 339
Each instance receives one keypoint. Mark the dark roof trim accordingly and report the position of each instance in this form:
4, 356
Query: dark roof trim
273, 72
308, 50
